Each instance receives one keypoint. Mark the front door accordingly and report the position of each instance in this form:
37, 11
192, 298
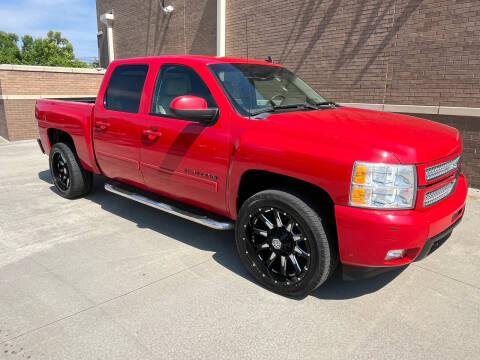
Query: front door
187, 161
117, 131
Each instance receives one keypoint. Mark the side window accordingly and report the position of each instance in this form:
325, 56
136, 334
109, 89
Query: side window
176, 80
125, 88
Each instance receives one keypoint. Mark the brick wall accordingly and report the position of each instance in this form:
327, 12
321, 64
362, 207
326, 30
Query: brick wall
469, 128
20, 86
141, 28
28, 82
3, 121
20, 119
405, 52
417, 52
412, 52
421, 52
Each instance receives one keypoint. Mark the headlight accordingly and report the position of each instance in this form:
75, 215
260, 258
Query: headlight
383, 186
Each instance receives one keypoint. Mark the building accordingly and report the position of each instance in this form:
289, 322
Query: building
420, 57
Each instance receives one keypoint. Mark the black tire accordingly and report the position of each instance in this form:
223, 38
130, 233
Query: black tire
317, 257
68, 176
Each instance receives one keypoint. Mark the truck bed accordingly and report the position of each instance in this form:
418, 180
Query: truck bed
72, 116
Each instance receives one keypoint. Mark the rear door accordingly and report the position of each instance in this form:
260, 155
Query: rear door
188, 161
117, 128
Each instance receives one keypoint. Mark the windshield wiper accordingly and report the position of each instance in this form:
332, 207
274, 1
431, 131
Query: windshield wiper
281, 107
324, 103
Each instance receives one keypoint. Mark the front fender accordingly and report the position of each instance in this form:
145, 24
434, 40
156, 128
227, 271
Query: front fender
322, 162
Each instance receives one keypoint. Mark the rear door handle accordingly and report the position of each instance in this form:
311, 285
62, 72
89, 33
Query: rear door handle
152, 134
102, 125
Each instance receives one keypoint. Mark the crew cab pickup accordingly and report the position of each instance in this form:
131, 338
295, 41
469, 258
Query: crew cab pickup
246, 144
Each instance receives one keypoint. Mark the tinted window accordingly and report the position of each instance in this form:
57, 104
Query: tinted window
125, 88
177, 80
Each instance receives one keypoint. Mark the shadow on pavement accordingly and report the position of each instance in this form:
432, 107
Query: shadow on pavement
338, 289
221, 243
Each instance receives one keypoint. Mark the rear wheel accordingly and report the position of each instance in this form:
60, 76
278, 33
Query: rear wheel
68, 176
283, 242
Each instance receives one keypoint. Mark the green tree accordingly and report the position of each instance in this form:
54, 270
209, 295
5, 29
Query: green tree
9, 51
54, 50
95, 63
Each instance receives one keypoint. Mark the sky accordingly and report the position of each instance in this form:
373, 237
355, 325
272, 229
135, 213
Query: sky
75, 19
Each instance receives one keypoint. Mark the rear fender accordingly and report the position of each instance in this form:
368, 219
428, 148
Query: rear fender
75, 119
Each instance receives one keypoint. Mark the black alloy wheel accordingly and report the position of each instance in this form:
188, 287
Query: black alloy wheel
280, 243
61, 175
69, 177
284, 241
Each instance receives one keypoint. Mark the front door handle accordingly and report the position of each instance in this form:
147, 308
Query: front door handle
152, 134
102, 125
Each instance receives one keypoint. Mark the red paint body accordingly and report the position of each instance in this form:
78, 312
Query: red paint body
164, 155
189, 102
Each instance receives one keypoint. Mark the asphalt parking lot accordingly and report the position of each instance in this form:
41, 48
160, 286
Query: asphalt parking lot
105, 278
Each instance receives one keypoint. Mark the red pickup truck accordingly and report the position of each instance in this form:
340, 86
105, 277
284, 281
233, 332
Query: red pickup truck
246, 144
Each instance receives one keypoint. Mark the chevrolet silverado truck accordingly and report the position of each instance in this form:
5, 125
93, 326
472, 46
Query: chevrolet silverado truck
245, 144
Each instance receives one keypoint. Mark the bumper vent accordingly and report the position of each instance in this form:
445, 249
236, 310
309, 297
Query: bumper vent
436, 195
436, 171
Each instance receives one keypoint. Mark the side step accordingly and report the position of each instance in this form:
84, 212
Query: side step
199, 219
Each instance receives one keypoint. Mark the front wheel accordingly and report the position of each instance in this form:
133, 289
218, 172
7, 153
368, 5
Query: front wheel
283, 242
68, 176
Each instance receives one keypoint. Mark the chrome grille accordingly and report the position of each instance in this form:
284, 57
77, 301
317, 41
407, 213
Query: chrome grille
436, 171
436, 195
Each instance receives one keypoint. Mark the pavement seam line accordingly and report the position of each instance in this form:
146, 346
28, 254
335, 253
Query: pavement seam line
448, 277
102, 303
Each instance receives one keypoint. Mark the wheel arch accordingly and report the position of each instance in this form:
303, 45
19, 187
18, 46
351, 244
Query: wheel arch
79, 146
253, 181
60, 136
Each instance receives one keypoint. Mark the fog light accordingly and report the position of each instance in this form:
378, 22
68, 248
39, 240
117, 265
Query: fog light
395, 254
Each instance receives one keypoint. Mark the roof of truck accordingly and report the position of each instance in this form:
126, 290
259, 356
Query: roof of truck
195, 58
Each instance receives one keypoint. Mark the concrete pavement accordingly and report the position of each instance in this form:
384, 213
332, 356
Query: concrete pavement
105, 278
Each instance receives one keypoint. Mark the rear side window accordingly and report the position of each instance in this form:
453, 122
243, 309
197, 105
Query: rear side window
125, 88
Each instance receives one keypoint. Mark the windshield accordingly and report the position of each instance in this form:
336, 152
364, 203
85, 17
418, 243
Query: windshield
253, 88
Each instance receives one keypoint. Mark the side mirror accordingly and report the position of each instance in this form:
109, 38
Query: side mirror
193, 108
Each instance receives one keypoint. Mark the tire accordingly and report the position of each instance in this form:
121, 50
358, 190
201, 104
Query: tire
302, 226
68, 176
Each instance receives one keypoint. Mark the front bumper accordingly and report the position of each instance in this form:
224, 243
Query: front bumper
365, 272
366, 235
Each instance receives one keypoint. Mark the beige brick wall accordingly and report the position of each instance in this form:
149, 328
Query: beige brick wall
48, 83
3, 121
21, 123
21, 85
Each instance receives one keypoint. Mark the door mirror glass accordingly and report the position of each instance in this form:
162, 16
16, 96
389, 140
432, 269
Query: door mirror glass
193, 108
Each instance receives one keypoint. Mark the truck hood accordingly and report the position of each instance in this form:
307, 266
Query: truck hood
412, 140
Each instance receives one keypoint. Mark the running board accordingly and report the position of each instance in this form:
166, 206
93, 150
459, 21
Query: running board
199, 219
